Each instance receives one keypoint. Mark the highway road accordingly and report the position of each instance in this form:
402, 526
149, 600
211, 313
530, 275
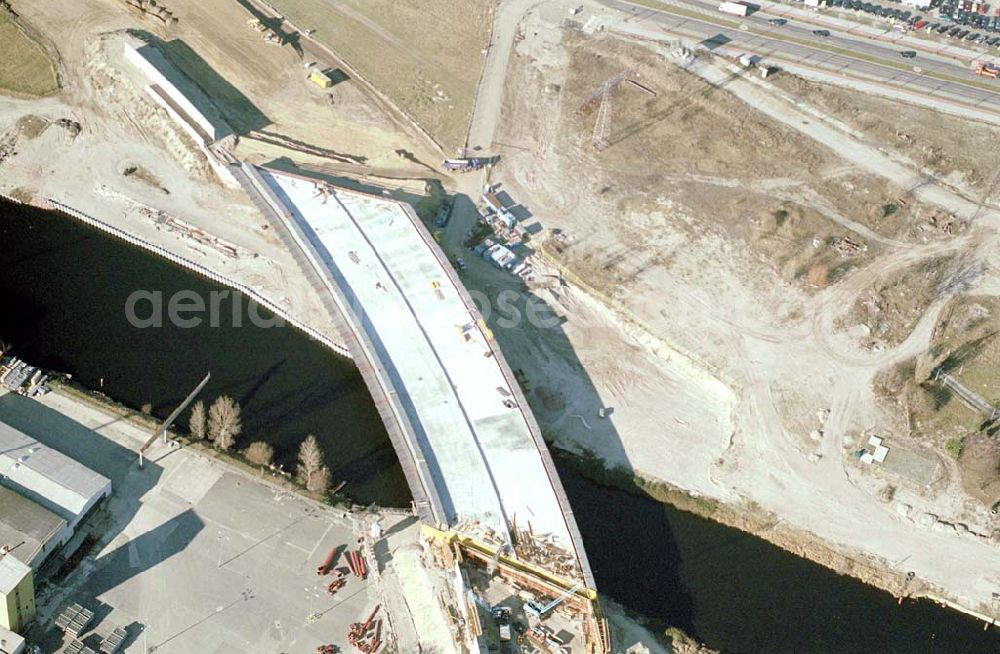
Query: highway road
795, 43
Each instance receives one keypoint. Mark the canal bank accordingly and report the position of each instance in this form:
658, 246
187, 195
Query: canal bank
64, 289
738, 591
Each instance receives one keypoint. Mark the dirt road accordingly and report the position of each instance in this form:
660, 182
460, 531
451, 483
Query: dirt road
714, 368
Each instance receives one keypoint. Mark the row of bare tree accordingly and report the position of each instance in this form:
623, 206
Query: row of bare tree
223, 423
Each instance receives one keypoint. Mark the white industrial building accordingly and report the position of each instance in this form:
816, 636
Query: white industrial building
49, 478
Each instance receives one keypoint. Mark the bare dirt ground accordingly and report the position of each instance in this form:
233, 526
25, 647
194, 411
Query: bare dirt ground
703, 282
426, 55
711, 259
965, 345
259, 87
950, 147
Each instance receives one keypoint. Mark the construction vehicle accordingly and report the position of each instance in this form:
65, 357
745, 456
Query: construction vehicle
465, 165
987, 70
539, 611
501, 616
734, 8
543, 640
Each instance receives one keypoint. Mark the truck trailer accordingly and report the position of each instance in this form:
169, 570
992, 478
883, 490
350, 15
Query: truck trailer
735, 8
463, 165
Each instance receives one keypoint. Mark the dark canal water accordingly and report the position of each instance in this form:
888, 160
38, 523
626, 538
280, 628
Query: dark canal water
63, 289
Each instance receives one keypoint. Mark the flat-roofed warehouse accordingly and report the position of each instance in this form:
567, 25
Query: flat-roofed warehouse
48, 477
28, 531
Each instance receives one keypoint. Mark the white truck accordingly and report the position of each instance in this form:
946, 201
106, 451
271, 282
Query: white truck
735, 8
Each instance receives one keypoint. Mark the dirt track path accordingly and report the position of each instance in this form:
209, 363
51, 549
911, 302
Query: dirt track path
815, 126
489, 95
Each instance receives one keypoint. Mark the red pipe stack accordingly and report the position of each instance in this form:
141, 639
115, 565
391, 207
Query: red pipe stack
330, 561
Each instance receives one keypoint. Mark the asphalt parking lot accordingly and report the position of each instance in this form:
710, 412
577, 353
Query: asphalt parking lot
193, 557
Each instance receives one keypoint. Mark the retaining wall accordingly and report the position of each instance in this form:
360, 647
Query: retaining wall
201, 270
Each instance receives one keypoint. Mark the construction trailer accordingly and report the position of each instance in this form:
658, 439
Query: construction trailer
734, 8
320, 79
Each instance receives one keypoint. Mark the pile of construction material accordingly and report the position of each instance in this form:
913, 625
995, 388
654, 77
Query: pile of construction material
848, 246
76, 647
358, 564
153, 9
366, 636
355, 560
19, 377
329, 565
114, 641
542, 550
74, 620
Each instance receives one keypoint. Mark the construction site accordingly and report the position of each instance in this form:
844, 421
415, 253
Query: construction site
769, 291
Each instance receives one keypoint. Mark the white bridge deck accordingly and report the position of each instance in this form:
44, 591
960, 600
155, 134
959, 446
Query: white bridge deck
476, 457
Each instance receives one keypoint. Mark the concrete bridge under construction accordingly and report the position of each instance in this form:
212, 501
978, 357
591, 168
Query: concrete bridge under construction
468, 443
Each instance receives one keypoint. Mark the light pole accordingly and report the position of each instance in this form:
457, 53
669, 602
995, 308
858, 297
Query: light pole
221, 537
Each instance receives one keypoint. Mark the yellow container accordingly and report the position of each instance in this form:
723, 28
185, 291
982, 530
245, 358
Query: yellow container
320, 80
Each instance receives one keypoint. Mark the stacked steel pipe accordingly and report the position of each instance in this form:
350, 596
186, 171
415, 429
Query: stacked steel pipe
330, 561
358, 564
366, 636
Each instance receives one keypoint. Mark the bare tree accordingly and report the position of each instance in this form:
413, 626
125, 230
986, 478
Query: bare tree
224, 422
312, 473
320, 481
259, 453
198, 424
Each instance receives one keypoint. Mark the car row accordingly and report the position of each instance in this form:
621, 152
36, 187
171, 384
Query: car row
952, 20
950, 12
875, 9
